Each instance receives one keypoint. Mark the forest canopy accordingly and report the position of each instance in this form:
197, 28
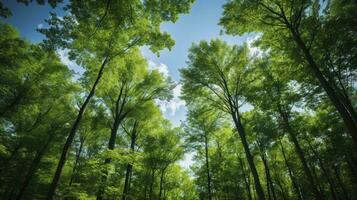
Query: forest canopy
270, 118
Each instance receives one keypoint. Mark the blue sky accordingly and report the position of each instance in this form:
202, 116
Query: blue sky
200, 24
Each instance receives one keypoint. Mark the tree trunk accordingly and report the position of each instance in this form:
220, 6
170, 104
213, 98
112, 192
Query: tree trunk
315, 175
324, 171
128, 173
76, 162
300, 153
247, 184
351, 166
208, 168
346, 114
111, 146
339, 180
119, 117
152, 183
33, 167
282, 190
6, 161
72, 133
270, 186
129, 169
292, 178
12, 105
162, 176
242, 134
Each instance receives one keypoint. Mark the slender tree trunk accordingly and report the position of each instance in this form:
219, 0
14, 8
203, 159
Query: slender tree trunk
338, 102
161, 184
119, 117
111, 146
76, 162
162, 176
242, 134
152, 183
128, 173
165, 193
270, 186
292, 178
145, 190
340, 182
300, 153
72, 133
19, 145
33, 167
247, 184
208, 169
351, 166
129, 169
324, 171
8, 160
12, 106
266, 174
283, 192
316, 177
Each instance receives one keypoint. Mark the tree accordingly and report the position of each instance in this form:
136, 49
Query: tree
216, 73
276, 95
129, 87
136, 126
112, 28
162, 148
37, 94
200, 125
300, 23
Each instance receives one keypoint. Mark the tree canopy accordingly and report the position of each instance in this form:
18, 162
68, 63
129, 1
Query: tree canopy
274, 122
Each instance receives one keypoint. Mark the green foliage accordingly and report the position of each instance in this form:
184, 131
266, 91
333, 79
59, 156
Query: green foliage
252, 120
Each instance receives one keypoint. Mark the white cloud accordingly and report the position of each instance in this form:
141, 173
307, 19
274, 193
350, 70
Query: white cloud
187, 160
254, 51
64, 57
63, 53
162, 68
175, 103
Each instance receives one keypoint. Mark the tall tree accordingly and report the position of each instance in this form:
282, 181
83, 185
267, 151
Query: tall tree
113, 28
275, 93
130, 86
201, 124
302, 24
216, 73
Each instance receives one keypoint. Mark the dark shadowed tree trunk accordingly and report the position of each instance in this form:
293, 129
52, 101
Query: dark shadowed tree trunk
119, 115
12, 106
73, 131
34, 166
346, 111
207, 168
5, 162
340, 182
324, 170
129, 166
19, 145
152, 181
269, 182
291, 175
246, 179
242, 134
300, 152
162, 176
341, 102
77, 160
283, 192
